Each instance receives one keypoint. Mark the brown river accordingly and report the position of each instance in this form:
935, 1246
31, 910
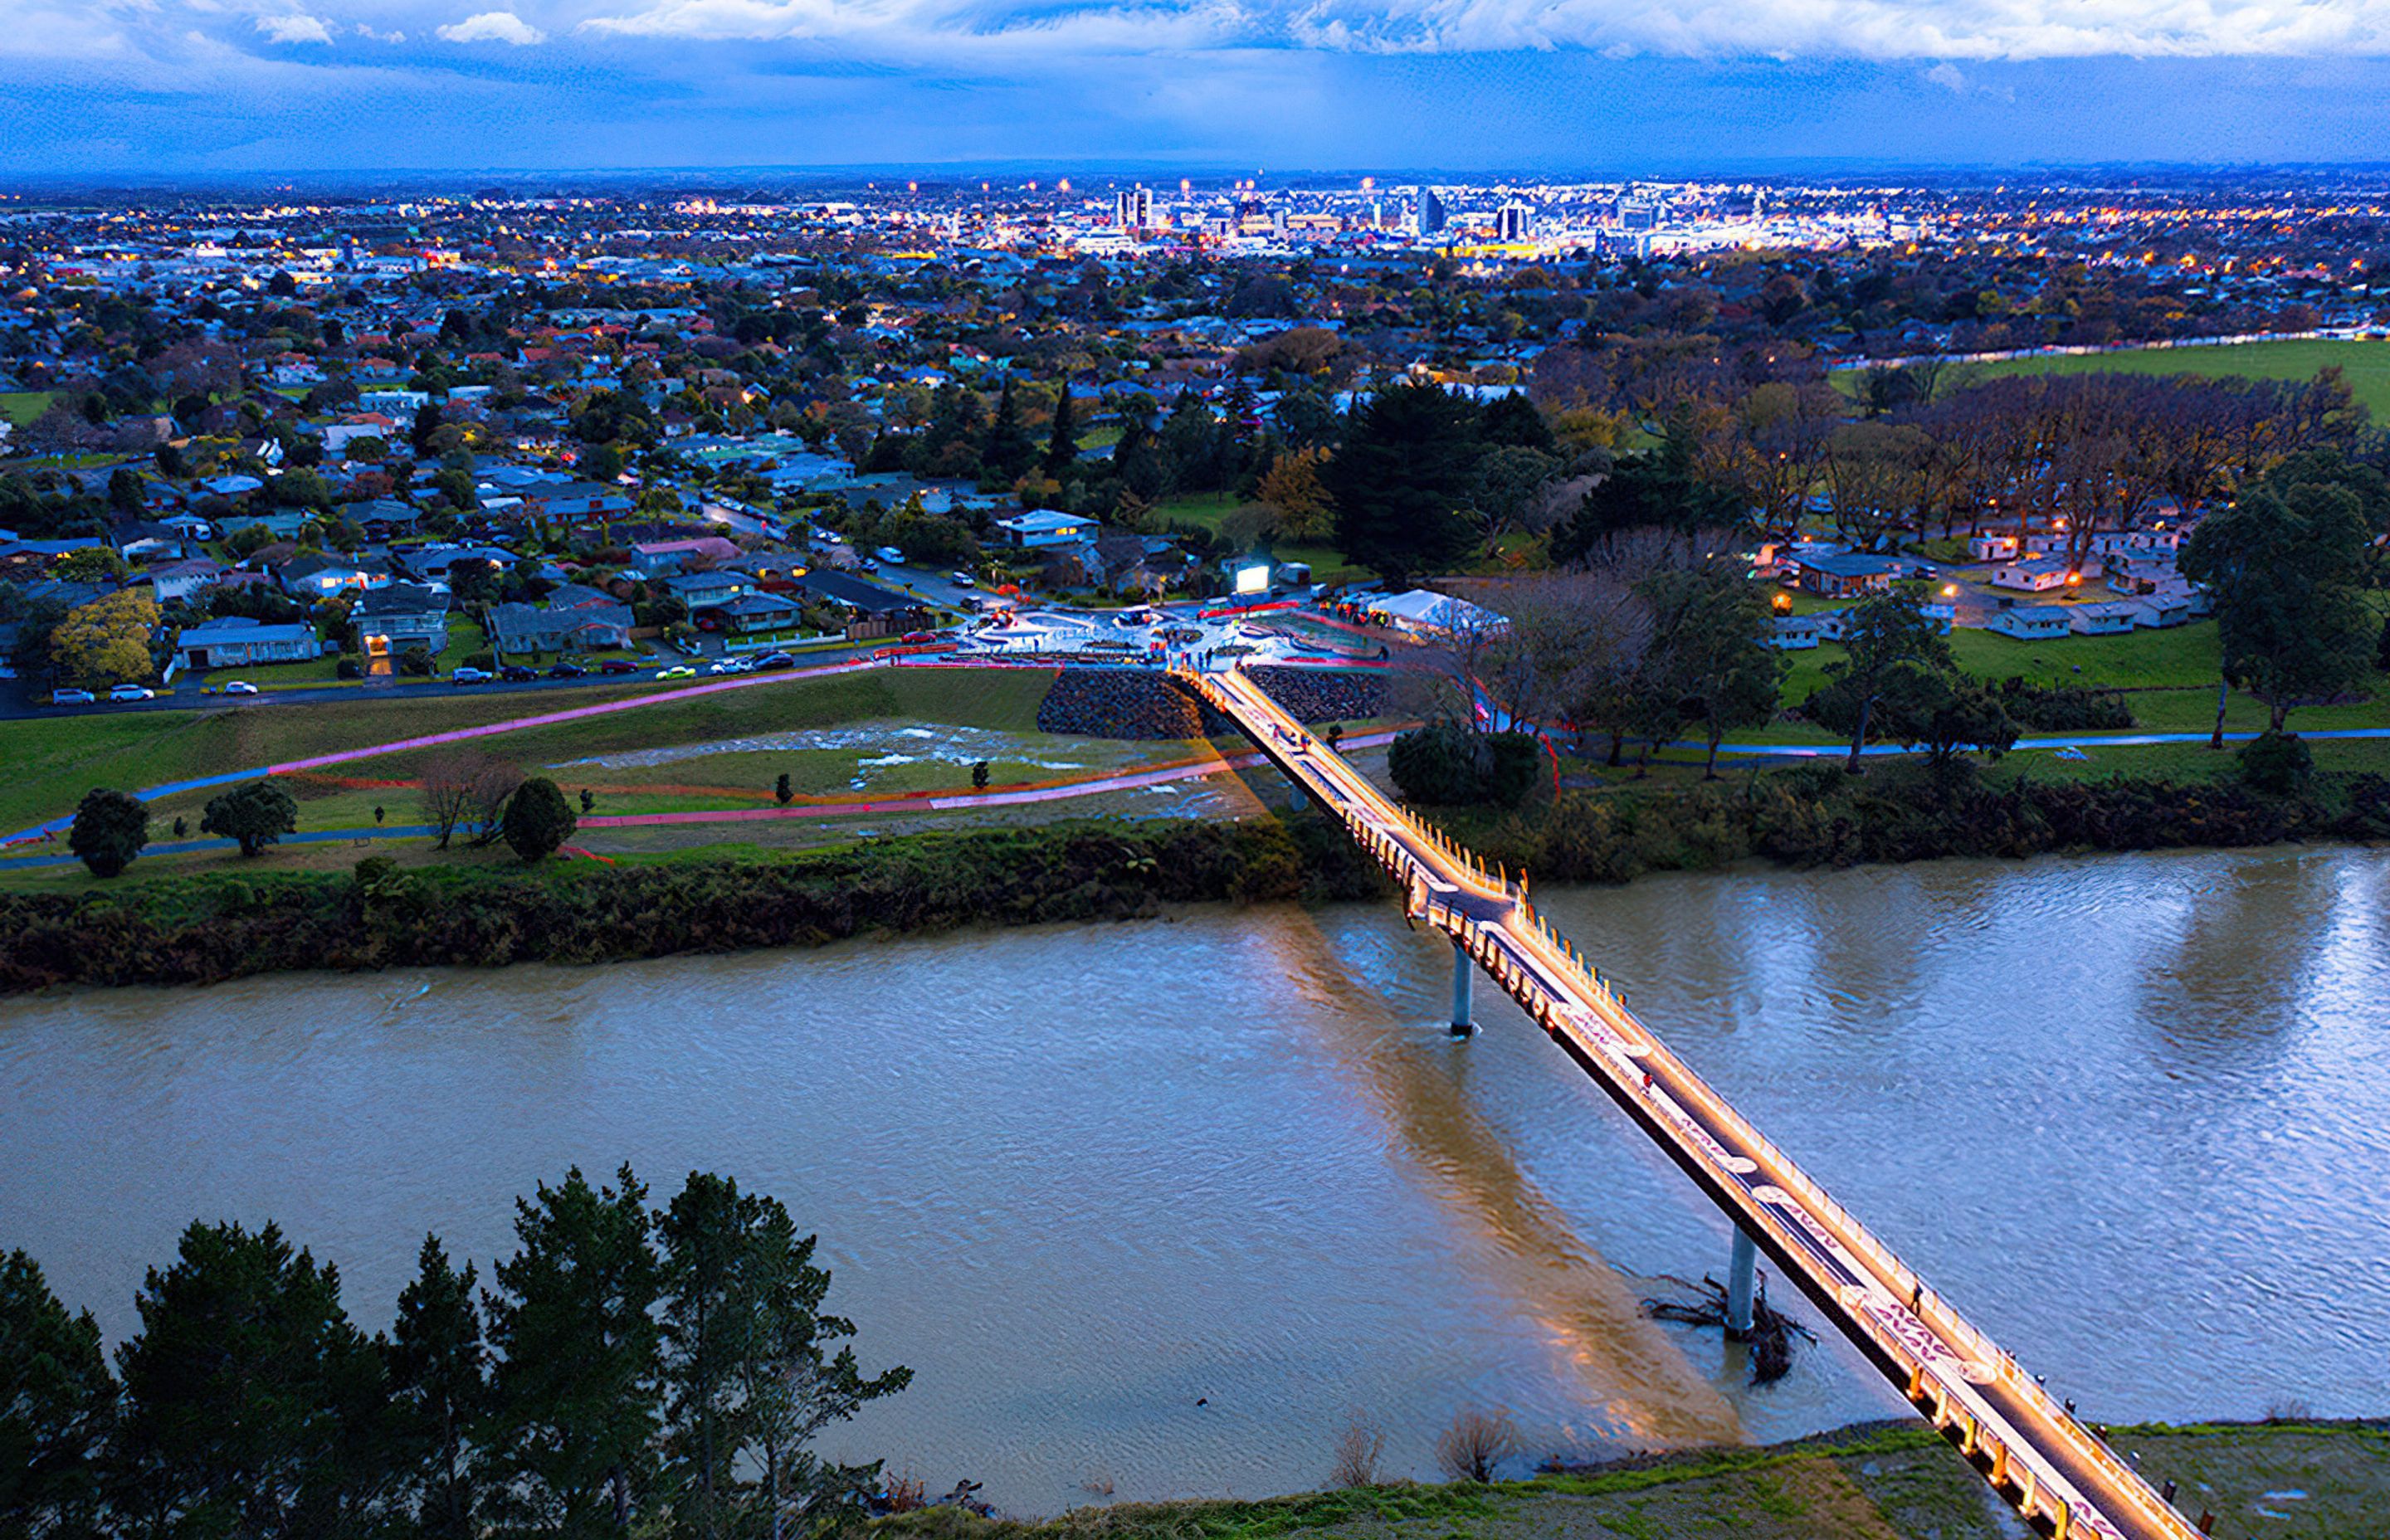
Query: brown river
1155, 1208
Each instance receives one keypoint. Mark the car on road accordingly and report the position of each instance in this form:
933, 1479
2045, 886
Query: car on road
240, 686
71, 697
466, 675
132, 692
618, 665
678, 670
890, 554
566, 671
730, 665
515, 673
964, 580
776, 660
920, 637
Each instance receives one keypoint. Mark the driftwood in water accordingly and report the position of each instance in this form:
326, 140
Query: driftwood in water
1703, 1303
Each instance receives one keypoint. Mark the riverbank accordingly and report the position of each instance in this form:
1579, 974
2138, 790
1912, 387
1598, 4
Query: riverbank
165, 927
1881, 1482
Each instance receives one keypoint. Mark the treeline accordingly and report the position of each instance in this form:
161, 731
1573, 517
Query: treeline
204, 930
1908, 810
632, 1370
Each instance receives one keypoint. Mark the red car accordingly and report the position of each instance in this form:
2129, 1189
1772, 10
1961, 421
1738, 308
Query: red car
920, 637
618, 665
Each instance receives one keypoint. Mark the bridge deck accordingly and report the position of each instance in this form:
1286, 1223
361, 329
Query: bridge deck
2063, 1477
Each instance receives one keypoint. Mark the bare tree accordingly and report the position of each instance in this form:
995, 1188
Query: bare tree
1475, 1445
1358, 1448
448, 790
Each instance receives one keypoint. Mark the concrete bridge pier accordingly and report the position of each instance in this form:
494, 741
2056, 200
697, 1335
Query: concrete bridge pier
1738, 1281
1464, 978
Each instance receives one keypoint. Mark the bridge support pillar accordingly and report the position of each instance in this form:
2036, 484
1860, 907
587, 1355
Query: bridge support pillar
1738, 1281
1464, 978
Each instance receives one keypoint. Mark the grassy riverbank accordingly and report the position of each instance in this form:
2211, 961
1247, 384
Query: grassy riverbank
2322, 1480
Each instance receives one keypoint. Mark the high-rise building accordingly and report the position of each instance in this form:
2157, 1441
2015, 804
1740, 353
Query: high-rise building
1514, 222
1133, 209
1431, 217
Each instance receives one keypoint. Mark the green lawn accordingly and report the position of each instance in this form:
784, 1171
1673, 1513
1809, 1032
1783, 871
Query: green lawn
22, 406
1206, 509
52, 761
2366, 366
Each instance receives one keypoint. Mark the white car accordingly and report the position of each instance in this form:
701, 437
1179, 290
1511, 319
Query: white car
240, 686
963, 580
132, 692
465, 675
71, 697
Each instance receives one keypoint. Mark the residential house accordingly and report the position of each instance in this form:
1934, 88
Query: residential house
656, 557
388, 620
185, 580
1845, 576
1044, 527
2031, 623
235, 641
705, 590
522, 630
1794, 633
2103, 617
316, 577
750, 613
2038, 576
144, 541
1993, 548
2162, 609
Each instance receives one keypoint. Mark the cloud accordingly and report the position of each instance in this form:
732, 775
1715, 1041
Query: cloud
492, 27
294, 28
366, 31
1940, 30
1947, 77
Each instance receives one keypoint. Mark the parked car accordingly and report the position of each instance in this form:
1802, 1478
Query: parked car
240, 686
618, 665
678, 670
866, 568
515, 673
964, 580
724, 667
467, 676
566, 671
920, 637
71, 697
890, 554
132, 692
776, 660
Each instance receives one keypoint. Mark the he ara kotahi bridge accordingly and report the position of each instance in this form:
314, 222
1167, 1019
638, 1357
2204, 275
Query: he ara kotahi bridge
2059, 1474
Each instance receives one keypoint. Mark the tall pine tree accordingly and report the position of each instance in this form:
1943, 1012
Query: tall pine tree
438, 1372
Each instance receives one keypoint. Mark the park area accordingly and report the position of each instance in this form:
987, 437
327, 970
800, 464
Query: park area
2365, 366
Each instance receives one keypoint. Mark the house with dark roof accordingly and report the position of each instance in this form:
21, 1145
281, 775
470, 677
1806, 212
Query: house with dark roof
522, 630
388, 620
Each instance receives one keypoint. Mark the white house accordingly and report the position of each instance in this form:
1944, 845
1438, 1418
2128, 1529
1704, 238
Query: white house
235, 641
2103, 617
2162, 610
1045, 527
1796, 633
1994, 547
2038, 576
2031, 623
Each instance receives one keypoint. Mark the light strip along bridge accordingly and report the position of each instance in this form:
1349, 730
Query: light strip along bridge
2059, 1474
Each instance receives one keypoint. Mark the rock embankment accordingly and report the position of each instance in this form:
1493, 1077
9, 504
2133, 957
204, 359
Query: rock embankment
1123, 703
1316, 695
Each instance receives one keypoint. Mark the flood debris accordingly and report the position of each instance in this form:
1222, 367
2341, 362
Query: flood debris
1703, 1303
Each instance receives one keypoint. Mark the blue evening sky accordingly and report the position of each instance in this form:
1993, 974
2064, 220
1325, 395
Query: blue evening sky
1564, 85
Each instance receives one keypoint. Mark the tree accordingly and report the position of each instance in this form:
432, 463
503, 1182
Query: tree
109, 829
576, 1389
784, 790
1291, 488
979, 774
1403, 480
124, 492
1006, 451
427, 422
107, 641
252, 1403
1952, 715
1713, 636
1062, 440
257, 815
1888, 640
438, 1375
58, 1407
2284, 563
538, 820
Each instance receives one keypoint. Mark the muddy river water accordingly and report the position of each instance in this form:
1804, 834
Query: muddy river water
1155, 1208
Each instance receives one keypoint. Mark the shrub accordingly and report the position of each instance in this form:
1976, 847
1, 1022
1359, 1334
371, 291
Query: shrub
350, 667
1357, 1451
1475, 1445
538, 818
483, 658
257, 815
1446, 764
109, 829
2277, 763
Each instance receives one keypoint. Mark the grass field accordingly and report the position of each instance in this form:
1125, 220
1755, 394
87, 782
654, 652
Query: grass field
2366, 366
54, 762
1206, 509
1898, 1485
22, 406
